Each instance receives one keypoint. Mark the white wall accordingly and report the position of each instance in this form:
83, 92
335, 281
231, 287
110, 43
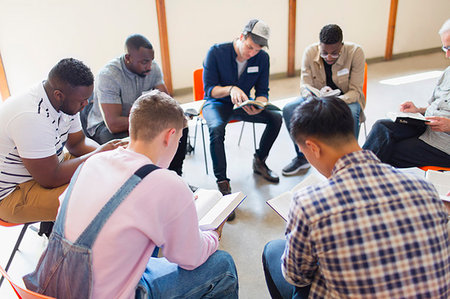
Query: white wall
418, 23
34, 35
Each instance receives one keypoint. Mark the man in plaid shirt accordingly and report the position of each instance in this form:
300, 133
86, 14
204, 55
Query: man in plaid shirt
368, 231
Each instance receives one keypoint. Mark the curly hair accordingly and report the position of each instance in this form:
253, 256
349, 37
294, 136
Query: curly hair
73, 72
331, 34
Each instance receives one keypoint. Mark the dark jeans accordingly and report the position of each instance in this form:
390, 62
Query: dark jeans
103, 135
399, 145
277, 285
217, 115
288, 112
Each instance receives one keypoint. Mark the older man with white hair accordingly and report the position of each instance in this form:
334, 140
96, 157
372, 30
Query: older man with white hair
404, 145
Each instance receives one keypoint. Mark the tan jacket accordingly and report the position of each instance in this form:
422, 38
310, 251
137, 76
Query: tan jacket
347, 72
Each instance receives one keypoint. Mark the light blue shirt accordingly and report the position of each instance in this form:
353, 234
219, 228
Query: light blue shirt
439, 106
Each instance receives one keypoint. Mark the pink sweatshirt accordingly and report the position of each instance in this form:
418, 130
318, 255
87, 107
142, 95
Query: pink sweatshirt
160, 210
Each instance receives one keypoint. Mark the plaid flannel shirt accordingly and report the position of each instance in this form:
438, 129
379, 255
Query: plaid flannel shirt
368, 231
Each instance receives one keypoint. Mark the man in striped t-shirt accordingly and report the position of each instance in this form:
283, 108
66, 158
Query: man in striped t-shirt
35, 126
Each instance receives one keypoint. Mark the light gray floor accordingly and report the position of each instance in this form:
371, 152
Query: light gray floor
256, 223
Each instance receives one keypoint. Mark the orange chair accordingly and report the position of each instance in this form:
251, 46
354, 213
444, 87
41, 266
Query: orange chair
22, 292
437, 168
16, 247
199, 93
365, 96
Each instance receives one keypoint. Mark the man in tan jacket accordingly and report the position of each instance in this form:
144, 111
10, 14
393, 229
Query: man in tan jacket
330, 67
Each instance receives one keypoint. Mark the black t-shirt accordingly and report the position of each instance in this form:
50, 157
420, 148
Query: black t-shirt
329, 75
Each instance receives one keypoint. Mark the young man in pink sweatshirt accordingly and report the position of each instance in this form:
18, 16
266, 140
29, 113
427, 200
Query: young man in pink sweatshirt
158, 212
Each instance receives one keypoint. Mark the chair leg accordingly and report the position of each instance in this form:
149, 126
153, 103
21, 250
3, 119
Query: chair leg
240, 135
365, 129
195, 135
16, 247
204, 148
254, 136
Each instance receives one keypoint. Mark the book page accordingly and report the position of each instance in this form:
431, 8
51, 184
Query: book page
205, 201
220, 211
312, 179
281, 204
393, 115
331, 93
414, 171
441, 181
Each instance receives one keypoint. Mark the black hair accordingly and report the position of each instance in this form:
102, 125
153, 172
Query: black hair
73, 72
331, 34
135, 41
328, 119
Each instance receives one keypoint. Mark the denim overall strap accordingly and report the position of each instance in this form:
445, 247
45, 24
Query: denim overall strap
61, 219
89, 235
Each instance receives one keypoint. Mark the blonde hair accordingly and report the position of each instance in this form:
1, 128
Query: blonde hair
154, 112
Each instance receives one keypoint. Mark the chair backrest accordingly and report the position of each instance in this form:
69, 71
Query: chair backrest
198, 90
365, 81
438, 168
23, 292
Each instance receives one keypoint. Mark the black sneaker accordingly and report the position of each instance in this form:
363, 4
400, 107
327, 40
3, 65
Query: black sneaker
295, 166
46, 228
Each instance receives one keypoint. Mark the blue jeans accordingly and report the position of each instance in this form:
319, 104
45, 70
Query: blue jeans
216, 278
399, 145
277, 285
288, 112
217, 115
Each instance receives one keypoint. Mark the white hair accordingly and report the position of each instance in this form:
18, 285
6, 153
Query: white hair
445, 27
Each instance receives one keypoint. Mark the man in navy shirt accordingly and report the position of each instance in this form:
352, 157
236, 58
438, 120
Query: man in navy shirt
231, 70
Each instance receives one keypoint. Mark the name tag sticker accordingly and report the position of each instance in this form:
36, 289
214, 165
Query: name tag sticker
252, 69
343, 72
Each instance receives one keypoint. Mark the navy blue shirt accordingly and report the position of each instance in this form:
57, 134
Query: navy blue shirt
220, 69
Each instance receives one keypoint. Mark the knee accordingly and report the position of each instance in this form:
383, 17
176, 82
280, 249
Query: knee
217, 132
277, 119
273, 251
224, 262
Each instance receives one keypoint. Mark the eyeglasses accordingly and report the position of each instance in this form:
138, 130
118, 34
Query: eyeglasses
445, 48
334, 56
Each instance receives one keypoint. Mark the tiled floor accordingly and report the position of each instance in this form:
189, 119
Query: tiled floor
256, 223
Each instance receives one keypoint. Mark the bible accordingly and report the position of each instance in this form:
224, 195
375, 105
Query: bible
282, 202
258, 104
414, 119
213, 208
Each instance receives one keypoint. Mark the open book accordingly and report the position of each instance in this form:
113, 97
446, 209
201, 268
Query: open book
213, 208
316, 92
282, 202
415, 119
258, 104
441, 181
